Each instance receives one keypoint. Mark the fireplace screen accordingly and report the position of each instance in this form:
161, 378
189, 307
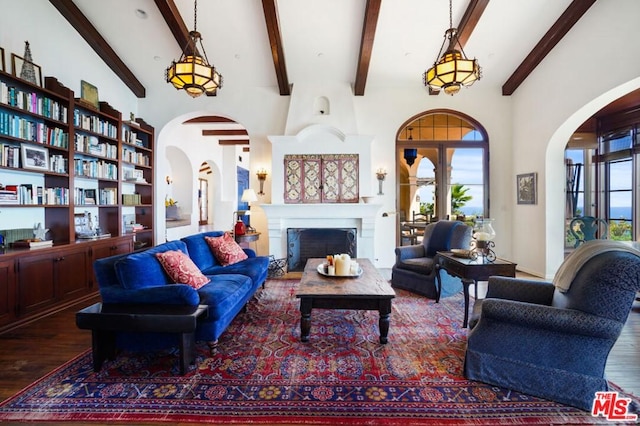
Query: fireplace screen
306, 243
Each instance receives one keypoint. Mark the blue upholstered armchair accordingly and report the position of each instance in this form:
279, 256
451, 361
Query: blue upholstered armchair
552, 340
414, 269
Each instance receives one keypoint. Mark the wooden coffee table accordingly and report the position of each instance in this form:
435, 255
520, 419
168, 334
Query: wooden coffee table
369, 291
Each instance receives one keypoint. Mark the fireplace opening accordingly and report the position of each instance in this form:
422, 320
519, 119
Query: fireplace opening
306, 243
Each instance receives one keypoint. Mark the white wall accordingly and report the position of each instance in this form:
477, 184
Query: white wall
593, 65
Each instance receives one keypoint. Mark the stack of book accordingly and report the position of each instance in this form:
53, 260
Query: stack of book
8, 196
32, 243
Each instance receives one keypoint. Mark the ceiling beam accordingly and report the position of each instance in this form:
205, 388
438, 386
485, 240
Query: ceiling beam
209, 119
371, 14
558, 30
224, 132
172, 17
233, 142
93, 38
470, 20
275, 41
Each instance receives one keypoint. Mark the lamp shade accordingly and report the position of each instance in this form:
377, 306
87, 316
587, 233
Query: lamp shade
248, 195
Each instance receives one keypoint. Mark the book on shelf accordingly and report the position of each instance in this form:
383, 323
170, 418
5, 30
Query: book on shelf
8, 197
32, 243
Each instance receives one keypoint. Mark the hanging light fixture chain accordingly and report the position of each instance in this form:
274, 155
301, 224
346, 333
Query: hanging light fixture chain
195, 15
450, 13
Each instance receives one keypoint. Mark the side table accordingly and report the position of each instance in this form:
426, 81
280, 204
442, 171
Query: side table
470, 271
105, 319
249, 237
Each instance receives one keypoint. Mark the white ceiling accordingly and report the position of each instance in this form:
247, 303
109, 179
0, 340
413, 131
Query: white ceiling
321, 38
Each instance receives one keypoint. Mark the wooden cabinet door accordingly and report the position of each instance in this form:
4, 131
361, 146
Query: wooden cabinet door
36, 291
7, 292
70, 273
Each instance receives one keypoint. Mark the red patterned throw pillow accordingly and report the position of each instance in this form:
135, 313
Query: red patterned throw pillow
225, 249
181, 268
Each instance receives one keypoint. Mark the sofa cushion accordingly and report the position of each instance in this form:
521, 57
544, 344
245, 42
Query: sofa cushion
223, 293
422, 265
181, 268
199, 250
142, 269
225, 249
255, 268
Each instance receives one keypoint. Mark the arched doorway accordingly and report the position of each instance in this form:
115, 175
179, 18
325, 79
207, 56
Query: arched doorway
442, 159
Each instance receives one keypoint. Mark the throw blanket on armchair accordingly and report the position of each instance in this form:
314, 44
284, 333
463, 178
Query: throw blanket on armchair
582, 255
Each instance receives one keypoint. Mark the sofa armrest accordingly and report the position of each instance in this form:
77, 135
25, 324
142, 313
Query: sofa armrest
169, 294
522, 290
250, 253
565, 321
409, 252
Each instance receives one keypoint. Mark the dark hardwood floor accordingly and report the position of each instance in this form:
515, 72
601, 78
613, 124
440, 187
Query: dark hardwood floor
29, 352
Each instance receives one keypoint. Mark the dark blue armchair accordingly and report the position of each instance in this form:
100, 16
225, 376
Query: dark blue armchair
550, 341
414, 269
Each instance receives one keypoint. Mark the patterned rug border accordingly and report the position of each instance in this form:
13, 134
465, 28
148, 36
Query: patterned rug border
346, 413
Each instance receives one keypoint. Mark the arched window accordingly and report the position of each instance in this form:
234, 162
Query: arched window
442, 169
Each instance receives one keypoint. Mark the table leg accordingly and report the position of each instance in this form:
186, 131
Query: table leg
438, 283
102, 347
385, 320
305, 318
187, 351
465, 290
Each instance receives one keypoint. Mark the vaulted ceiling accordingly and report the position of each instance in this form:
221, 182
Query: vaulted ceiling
281, 43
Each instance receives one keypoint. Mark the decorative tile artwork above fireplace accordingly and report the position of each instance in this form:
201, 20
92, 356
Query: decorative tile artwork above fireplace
281, 215
315, 178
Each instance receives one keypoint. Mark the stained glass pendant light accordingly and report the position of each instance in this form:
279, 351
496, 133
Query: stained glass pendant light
453, 70
192, 72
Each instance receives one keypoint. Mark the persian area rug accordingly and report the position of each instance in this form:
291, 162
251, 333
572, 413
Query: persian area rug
261, 373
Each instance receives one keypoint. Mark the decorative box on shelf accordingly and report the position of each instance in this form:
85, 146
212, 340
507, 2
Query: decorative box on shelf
172, 212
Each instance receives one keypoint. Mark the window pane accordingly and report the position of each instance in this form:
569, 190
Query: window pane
620, 175
467, 171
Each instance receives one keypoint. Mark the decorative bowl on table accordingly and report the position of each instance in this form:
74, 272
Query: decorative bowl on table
322, 270
466, 254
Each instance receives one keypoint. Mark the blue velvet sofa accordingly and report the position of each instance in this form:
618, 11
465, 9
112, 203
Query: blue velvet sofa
139, 278
415, 270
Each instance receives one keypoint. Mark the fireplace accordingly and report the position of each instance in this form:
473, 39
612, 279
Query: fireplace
306, 243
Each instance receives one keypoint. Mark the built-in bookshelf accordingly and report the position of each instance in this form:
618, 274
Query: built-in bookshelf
64, 157
78, 171
137, 140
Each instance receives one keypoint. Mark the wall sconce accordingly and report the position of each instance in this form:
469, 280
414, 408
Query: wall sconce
262, 176
381, 174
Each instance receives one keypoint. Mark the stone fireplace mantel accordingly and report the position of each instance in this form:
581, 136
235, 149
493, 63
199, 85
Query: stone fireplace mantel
361, 216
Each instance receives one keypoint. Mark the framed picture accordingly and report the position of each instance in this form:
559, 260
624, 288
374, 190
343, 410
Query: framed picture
527, 188
2, 66
89, 94
35, 157
26, 70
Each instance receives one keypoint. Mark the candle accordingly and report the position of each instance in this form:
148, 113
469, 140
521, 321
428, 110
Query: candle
331, 270
342, 264
482, 236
